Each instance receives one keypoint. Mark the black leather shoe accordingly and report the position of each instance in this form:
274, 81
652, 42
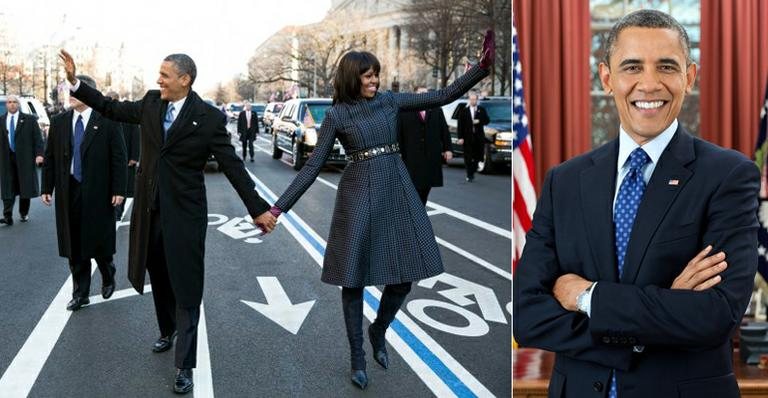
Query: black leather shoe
183, 383
251, 160
164, 344
360, 379
7, 221
378, 343
77, 303
108, 285
25, 218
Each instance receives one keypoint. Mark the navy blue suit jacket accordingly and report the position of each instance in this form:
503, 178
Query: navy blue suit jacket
699, 194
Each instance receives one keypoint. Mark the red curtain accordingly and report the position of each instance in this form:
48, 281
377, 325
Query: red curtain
554, 38
734, 69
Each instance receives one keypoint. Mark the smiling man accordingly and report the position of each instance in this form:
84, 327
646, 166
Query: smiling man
170, 217
624, 274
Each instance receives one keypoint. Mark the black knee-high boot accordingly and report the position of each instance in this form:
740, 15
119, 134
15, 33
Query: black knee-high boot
352, 304
391, 301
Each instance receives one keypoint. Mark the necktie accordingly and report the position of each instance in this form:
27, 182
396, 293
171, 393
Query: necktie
12, 137
168, 121
627, 202
77, 166
423, 115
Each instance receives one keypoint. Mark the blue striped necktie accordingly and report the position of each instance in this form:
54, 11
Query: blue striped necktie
77, 166
12, 137
168, 121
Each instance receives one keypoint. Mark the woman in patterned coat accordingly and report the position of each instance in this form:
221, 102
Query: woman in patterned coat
380, 232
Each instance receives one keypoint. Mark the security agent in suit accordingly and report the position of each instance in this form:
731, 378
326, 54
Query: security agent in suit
471, 132
169, 221
21, 148
85, 167
613, 277
131, 137
247, 128
424, 143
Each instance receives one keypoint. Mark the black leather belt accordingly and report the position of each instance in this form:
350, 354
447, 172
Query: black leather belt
372, 152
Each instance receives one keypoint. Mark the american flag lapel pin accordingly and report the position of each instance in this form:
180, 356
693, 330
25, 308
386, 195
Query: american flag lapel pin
194, 123
674, 182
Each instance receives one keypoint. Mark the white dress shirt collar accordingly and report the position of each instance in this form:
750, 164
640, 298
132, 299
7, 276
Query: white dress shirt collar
654, 148
177, 107
86, 114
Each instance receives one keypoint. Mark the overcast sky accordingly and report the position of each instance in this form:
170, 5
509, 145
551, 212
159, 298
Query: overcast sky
220, 36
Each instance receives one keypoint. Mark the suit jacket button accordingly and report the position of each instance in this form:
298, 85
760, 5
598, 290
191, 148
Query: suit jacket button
606, 340
597, 386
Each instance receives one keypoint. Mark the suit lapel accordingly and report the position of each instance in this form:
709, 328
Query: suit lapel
658, 197
189, 119
91, 130
597, 186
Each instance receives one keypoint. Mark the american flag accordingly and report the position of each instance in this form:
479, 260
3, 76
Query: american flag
761, 153
524, 198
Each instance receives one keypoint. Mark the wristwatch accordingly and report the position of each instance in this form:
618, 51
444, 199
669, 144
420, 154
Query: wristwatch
582, 303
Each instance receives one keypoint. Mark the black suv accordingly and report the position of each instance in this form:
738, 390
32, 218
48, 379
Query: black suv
295, 130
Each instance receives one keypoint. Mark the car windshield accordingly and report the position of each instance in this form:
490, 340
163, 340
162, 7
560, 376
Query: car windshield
277, 108
3, 109
236, 108
317, 112
258, 108
498, 111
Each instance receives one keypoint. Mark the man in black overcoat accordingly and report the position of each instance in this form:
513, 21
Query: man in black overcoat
85, 168
170, 217
471, 132
21, 149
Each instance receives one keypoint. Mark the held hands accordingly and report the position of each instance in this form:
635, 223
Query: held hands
69, 66
702, 272
489, 50
46, 198
266, 221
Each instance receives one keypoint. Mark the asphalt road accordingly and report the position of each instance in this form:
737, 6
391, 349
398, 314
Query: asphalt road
270, 327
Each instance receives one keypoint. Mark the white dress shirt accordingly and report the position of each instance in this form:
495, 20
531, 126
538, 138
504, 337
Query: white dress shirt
86, 114
8, 123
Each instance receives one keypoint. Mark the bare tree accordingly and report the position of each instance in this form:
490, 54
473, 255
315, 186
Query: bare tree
496, 15
440, 30
306, 56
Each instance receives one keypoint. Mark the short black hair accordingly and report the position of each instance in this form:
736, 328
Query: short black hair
184, 64
346, 84
647, 19
87, 80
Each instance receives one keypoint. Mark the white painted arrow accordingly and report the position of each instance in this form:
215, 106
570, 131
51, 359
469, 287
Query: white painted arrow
279, 307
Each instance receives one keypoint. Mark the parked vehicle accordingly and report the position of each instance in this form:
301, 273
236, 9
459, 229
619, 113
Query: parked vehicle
498, 133
270, 111
295, 130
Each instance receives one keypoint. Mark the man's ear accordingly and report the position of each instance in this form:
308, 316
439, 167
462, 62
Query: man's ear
604, 71
690, 77
186, 80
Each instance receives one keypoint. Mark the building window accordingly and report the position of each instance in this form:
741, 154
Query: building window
605, 13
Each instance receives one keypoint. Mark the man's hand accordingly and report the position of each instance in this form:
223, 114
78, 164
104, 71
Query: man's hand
460, 141
567, 288
132, 163
266, 221
702, 272
117, 200
39, 160
46, 198
69, 66
447, 155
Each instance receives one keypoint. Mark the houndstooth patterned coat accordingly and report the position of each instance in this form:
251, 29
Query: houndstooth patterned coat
380, 233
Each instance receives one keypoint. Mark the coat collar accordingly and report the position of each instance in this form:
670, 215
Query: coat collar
189, 119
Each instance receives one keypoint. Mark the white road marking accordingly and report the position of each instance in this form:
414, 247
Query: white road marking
18, 379
475, 259
279, 308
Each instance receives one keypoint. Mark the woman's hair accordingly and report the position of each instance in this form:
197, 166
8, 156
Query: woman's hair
346, 84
